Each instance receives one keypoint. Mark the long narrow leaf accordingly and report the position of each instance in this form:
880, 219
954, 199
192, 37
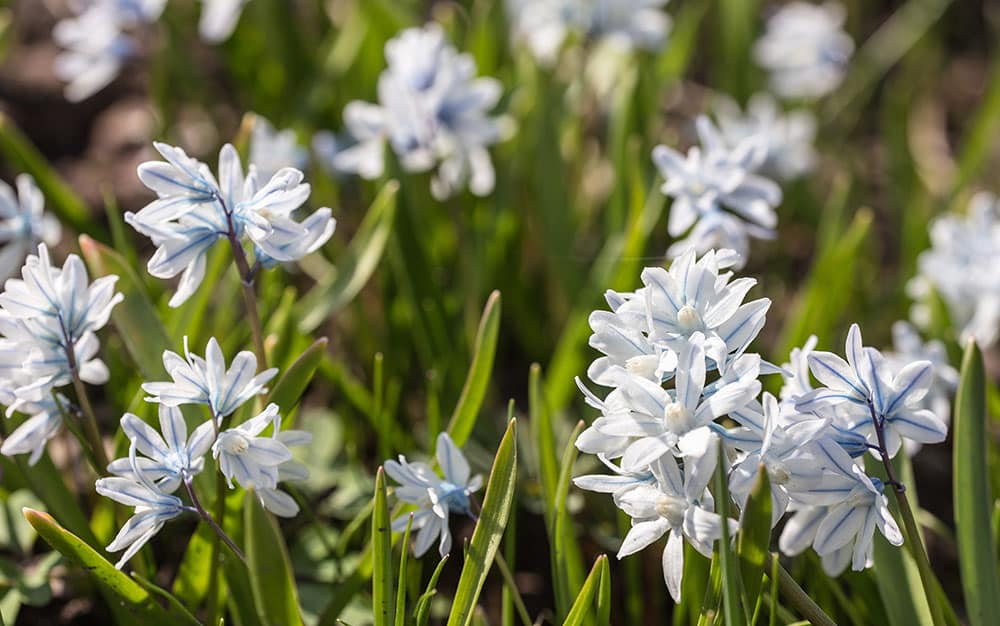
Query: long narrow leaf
973, 502
271, 576
585, 599
382, 590
474, 390
755, 536
489, 529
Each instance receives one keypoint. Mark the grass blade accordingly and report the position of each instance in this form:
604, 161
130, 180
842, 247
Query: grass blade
474, 390
143, 606
489, 529
755, 536
973, 500
567, 568
585, 599
422, 612
727, 562
269, 566
401, 586
293, 381
382, 594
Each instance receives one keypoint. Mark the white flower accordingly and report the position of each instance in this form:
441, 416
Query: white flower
959, 267
169, 458
194, 211
805, 49
544, 25
23, 223
435, 497
867, 388
716, 195
659, 422
248, 458
43, 423
796, 372
432, 111
675, 504
271, 149
275, 500
787, 137
153, 509
96, 44
198, 380
219, 18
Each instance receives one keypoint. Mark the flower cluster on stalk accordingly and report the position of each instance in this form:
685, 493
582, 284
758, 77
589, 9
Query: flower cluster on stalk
49, 320
194, 210
684, 385
433, 113
255, 453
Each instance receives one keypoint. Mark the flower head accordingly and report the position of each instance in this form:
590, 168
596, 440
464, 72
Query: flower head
153, 509
198, 380
23, 223
435, 497
250, 459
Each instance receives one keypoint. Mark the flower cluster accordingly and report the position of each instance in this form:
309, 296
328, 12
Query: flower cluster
48, 323
436, 498
432, 111
194, 210
718, 199
544, 25
100, 38
805, 49
160, 462
960, 268
685, 386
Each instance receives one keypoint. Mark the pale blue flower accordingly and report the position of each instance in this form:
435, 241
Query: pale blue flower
435, 497
432, 111
153, 509
805, 49
248, 458
23, 223
717, 199
194, 211
680, 505
272, 150
169, 458
198, 380
865, 387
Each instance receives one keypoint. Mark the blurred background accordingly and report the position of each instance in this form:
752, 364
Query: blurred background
910, 134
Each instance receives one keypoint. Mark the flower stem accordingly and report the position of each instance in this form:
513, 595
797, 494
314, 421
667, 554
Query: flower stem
90, 423
249, 298
797, 597
508, 579
211, 521
912, 531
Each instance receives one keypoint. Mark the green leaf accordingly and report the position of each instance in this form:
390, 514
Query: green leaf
542, 433
401, 586
422, 612
474, 390
382, 596
727, 560
270, 569
567, 568
604, 595
585, 599
973, 500
755, 536
489, 529
136, 600
356, 265
60, 198
293, 381
135, 317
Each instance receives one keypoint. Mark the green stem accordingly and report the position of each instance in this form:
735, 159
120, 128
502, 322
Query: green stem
508, 579
90, 424
797, 597
214, 609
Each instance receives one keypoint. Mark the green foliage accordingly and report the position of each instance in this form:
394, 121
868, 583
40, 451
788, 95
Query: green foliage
484, 350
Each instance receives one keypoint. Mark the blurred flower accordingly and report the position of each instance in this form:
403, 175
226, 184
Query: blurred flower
219, 18
153, 509
96, 44
23, 223
169, 458
679, 505
787, 137
717, 199
866, 387
960, 267
544, 25
434, 497
44, 417
198, 380
194, 211
271, 149
432, 111
247, 457
805, 49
